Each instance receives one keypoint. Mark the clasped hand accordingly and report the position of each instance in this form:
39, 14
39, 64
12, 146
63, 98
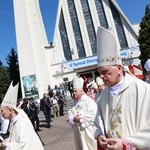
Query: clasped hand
77, 119
4, 144
110, 143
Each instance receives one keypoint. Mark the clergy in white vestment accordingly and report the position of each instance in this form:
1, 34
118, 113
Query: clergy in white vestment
22, 134
124, 105
81, 117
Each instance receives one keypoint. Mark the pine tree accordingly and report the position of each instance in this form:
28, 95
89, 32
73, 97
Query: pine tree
144, 36
13, 68
4, 81
1, 63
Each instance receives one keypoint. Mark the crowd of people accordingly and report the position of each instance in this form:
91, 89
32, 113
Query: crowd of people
52, 105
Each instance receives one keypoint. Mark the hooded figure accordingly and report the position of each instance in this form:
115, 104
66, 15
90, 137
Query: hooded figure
124, 105
81, 117
22, 134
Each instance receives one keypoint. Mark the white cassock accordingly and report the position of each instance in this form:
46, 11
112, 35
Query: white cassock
126, 115
22, 134
86, 108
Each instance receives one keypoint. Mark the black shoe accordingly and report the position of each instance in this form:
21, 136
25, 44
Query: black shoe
48, 126
38, 130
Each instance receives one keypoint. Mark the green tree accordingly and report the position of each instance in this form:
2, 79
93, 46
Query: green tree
4, 81
1, 63
13, 68
144, 36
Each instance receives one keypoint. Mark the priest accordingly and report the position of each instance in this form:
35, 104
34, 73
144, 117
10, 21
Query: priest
124, 105
22, 134
81, 117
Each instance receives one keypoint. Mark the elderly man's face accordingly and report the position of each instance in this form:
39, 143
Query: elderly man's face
110, 75
77, 93
6, 112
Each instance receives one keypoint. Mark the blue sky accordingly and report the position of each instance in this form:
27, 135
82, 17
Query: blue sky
133, 9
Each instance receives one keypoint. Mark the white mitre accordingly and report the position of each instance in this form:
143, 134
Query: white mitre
107, 48
78, 82
10, 98
147, 65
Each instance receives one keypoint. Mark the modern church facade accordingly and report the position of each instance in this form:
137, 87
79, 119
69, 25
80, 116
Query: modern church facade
74, 44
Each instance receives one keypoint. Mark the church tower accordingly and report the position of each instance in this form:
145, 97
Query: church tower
33, 49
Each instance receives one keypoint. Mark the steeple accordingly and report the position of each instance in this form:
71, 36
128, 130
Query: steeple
34, 65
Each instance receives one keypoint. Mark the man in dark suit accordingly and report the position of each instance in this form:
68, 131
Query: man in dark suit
45, 106
33, 107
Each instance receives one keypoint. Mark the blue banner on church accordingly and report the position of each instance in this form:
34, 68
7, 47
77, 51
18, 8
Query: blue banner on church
92, 60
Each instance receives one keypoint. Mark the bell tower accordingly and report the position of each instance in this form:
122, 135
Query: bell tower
31, 38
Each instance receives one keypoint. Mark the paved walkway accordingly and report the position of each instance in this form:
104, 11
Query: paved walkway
59, 136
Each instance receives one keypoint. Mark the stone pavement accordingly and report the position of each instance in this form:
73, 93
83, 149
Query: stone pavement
59, 136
